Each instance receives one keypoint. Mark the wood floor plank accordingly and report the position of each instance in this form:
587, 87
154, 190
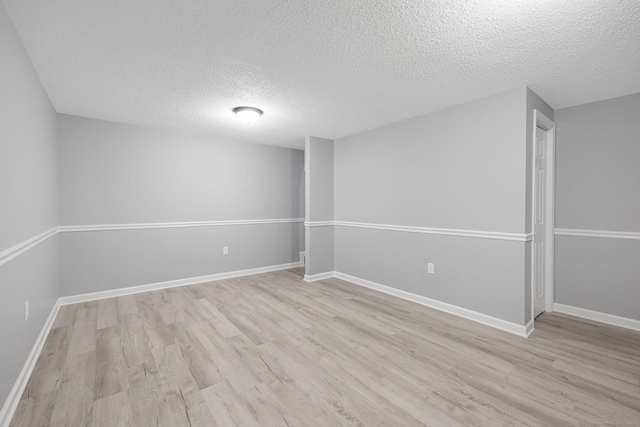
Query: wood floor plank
74, 398
198, 360
66, 316
227, 407
35, 411
114, 410
107, 313
48, 369
273, 350
84, 333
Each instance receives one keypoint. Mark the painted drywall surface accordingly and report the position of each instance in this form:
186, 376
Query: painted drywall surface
105, 260
462, 168
28, 204
300, 196
597, 176
112, 173
320, 250
27, 145
319, 178
459, 168
598, 274
477, 274
528, 294
320, 173
597, 158
31, 277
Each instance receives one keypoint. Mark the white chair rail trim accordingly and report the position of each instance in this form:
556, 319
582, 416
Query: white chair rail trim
630, 235
141, 226
16, 250
495, 235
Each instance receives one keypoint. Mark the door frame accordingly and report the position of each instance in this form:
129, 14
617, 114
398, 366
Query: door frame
539, 119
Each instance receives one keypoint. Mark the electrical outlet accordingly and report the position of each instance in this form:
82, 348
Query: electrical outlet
225, 250
431, 269
26, 311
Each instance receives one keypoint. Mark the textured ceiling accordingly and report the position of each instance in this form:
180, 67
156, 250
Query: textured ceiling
328, 68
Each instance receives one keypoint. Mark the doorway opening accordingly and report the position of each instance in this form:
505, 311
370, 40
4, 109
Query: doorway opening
542, 268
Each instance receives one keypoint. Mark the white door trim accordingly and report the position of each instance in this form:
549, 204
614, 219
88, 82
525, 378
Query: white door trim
539, 119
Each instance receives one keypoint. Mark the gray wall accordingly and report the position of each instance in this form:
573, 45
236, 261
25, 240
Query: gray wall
319, 169
112, 173
104, 260
458, 168
28, 193
461, 168
28, 142
598, 188
478, 274
319, 172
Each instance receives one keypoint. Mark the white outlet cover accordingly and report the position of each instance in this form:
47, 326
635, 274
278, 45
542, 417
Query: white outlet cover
431, 268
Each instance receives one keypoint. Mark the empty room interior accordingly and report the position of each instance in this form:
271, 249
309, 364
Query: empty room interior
330, 213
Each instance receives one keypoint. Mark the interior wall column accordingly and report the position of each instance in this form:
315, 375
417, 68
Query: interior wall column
319, 213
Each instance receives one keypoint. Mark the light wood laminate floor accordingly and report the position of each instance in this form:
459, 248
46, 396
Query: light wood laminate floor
273, 350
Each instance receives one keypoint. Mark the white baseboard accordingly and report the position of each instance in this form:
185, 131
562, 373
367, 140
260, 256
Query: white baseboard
11, 404
319, 276
597, 316
93, 296
485, 319
529, 327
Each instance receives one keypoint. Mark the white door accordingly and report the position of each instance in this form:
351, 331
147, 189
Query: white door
540, 223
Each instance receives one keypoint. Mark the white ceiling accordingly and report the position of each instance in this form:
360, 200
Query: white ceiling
328, 68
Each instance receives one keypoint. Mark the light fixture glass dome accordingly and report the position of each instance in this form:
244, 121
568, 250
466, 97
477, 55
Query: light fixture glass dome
248, 114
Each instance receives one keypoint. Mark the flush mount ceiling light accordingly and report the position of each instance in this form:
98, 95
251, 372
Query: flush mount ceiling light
248, 114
